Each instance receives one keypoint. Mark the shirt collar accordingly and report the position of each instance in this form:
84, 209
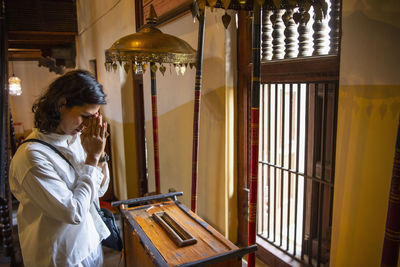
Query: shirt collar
56, 139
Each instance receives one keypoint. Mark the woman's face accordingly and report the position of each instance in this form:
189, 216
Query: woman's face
74, 119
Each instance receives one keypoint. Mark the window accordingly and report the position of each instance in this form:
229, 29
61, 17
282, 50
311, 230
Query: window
298, 105
296, 168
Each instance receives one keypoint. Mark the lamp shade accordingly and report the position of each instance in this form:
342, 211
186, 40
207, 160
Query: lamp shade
14, 88
149, 45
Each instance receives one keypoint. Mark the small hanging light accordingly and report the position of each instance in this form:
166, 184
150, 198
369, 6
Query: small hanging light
14, 83
14, 88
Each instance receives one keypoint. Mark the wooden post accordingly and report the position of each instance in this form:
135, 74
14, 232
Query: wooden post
244, 91
255, 103
155, 128
196, 119
390, 252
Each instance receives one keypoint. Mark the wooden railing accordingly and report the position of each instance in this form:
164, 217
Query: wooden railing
294, 33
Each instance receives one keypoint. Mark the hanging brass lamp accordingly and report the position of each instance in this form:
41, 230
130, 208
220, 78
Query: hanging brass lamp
150, 45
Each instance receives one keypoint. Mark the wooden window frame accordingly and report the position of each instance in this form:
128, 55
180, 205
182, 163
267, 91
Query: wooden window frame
308, 69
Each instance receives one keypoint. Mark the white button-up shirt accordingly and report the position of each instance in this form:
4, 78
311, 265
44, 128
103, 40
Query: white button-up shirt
58, 224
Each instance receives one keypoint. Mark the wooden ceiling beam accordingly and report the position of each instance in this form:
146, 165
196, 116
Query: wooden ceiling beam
24, 55
23, 37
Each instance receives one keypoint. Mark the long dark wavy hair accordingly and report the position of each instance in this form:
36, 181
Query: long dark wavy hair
77, 87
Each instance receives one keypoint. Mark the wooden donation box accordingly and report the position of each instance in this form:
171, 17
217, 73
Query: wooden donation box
162, 232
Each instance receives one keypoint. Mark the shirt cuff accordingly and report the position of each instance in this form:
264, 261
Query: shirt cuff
95, 174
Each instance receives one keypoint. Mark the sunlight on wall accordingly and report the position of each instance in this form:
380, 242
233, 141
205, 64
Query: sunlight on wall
100, 23
368, 115
216, 188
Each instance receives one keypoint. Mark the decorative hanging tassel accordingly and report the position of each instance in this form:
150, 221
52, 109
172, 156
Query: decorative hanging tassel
226, 3
212, 3
226, 19
153, 67
162, 69
201, 4
127, 67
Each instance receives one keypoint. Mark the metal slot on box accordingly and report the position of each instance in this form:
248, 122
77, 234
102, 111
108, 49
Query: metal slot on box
174, 230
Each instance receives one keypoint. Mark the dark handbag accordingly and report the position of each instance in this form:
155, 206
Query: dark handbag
114, 241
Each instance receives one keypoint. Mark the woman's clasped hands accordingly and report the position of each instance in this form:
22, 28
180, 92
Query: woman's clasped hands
94, 138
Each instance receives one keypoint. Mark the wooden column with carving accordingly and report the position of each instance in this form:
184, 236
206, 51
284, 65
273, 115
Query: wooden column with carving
266, 45
290, 35
278, 41
334, 24
304, 31
319, 28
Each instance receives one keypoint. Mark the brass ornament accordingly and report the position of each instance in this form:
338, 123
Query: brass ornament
226, 19
108, 66
183, 69
201, 4
320, 7
149, 45
212, 3
177, 70
153, 68
226, 3
162, 69
127, 66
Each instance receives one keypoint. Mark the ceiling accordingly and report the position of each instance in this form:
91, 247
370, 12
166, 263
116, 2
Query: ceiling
42, 30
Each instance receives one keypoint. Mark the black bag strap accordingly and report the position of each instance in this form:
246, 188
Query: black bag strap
58, 152
50, 146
